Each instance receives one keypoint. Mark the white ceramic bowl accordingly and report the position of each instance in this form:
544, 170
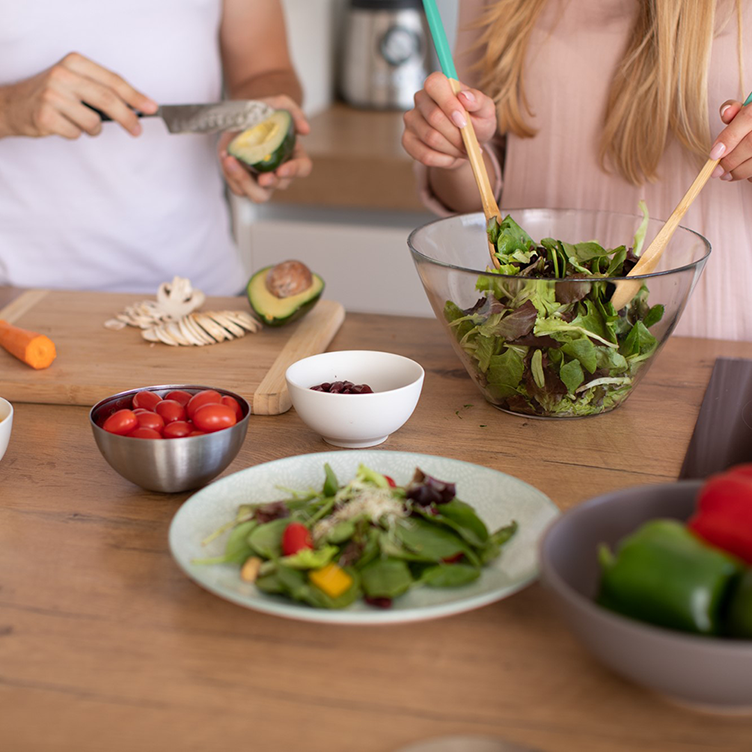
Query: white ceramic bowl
355, 421
6, 423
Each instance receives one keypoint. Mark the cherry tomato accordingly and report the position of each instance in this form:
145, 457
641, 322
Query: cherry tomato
211, 417
179, 396
235, 405
122, 422
197, 433
295, 538
147, 400
177, 429
207, 397
171, 411
154, 421
142, 410
145, 433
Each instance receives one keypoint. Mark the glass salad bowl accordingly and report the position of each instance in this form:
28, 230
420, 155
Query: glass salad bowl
554, 347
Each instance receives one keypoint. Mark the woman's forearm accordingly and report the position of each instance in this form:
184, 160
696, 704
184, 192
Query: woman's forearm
456, 189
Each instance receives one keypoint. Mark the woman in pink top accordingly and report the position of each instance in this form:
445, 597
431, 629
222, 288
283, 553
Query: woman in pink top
597, 104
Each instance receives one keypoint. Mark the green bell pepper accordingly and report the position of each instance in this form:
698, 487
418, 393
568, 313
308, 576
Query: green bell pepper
665, 575
739, 617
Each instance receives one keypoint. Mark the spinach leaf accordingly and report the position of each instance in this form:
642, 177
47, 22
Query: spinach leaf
449, 575
266, 540
496, 542
341, 532
371, 549
386, 578
638, 342
654, 315
461, 518
431, 542
512, 238
331, 484
270, 583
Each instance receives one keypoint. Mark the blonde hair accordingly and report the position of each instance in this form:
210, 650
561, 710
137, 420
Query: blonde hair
659, 88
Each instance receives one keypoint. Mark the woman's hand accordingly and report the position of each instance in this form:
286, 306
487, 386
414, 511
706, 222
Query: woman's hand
52, 102
432, 128
734, 144
259, 188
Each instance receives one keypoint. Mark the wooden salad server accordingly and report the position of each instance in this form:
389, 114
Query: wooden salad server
470, 140
627, 289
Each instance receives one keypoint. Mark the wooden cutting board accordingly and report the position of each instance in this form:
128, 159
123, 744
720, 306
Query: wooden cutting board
94, 362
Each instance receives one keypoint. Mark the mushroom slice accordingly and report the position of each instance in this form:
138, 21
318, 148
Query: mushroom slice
212, 328
224, 321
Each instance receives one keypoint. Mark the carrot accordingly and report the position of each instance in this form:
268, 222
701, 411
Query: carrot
36, 350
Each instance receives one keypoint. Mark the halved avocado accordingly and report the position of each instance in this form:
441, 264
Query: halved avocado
267, 145
283, 293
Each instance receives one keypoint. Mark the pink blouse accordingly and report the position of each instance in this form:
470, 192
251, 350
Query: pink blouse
572, 54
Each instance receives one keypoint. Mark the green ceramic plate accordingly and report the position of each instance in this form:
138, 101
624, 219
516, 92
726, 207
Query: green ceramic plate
497, 497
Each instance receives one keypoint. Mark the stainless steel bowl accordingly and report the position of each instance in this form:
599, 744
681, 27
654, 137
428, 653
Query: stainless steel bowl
168, 465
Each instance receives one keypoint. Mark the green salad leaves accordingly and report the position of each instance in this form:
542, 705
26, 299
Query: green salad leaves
544, 339
368, 538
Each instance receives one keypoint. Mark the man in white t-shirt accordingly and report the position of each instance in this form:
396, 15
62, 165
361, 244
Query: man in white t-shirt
127, 205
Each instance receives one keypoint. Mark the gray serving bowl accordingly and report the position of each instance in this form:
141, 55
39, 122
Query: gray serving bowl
705, 673
168, 465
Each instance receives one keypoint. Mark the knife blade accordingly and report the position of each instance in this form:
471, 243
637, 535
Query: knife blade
206, 118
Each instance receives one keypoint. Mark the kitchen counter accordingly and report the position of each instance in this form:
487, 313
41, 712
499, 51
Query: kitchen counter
105, 644
358, 162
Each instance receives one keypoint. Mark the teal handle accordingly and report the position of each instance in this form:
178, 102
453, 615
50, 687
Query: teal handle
747, 100
440, 41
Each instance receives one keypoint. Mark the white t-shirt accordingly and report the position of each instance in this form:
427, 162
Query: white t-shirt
115, 212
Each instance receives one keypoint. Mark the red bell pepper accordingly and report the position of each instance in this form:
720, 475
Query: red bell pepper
724, 512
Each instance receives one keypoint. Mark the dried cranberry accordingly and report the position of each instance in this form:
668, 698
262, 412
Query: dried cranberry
378, 602
342, 387
275, 510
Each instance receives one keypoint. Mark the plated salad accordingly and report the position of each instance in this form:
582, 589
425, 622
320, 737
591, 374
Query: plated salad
544, 338
368, 538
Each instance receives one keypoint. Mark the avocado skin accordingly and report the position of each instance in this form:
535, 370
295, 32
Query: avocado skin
269, 319
278, 157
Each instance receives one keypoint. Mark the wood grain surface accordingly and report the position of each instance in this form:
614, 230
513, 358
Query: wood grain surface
106, 645
94, 362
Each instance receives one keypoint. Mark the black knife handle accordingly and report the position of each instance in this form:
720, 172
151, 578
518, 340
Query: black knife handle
105, 118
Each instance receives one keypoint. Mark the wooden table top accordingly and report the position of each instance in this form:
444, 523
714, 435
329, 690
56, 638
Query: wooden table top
106, 645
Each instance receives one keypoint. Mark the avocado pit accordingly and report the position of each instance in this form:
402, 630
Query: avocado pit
289, 278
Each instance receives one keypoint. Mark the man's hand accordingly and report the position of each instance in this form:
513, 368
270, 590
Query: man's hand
52, 102
259, 188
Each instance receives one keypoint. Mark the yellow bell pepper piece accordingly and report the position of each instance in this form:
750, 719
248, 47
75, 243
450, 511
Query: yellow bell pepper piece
332, 579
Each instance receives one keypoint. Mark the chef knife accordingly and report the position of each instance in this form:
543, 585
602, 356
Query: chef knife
232, 115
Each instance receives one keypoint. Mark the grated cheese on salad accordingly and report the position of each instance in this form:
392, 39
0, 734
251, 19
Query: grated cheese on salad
375, 504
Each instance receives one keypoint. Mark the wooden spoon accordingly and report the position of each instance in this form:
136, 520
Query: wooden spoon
469, 139
626, 290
